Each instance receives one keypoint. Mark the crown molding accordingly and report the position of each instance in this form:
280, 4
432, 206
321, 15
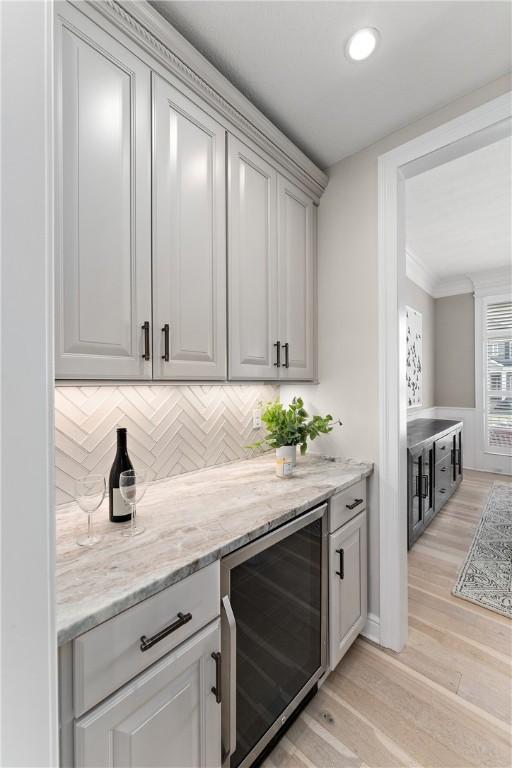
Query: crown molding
452, 286
490, 281
148, 29
481, 283
419, 273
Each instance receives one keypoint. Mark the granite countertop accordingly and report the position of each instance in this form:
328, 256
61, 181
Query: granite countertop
190, 521
422, 430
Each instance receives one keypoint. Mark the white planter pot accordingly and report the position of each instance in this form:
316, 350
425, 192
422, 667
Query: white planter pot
287, 452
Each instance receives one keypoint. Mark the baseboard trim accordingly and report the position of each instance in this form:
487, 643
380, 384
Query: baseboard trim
372, 628
489, 471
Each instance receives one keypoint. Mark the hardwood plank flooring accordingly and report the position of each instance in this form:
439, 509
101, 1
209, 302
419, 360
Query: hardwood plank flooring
446, 700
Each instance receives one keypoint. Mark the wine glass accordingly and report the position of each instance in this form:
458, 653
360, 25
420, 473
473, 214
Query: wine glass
132, 487
89, 495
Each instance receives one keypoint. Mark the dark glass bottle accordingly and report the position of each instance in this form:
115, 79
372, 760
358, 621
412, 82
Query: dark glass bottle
117, 507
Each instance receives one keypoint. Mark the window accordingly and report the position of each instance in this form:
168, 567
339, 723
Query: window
495, 381
498, 376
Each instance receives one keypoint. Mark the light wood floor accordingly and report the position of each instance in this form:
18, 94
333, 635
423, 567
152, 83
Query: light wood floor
445, 701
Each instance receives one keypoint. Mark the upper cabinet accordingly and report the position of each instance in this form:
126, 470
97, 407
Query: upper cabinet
252, 250
296, 221
271, 271
176, 241
189, 239
103, 232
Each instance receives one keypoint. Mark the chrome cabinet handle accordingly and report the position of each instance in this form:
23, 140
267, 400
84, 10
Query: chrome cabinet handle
355, 504
286, 348
277, 345
341, 572
228, 718
425, 489
165, 331
216, 689
146, 353
148, 642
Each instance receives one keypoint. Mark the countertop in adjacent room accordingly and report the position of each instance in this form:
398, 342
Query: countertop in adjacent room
422, 430
190, 521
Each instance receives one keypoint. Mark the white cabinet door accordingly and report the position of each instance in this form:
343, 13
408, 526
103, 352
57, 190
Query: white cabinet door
296, 231
189, 231
167, 717
347, 586
103, 232
252, 264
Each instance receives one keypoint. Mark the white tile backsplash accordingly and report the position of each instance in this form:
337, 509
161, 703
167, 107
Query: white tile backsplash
171, 429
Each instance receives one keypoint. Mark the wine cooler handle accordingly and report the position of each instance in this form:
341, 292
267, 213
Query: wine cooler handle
228, 641
165, 331
145, 328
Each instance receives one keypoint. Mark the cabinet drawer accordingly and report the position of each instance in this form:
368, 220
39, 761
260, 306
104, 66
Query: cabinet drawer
444, 481
346, 504
444, 446
109, 655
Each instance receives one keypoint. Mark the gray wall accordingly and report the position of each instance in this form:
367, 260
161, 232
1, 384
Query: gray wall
348, 301
455, 351
423, 302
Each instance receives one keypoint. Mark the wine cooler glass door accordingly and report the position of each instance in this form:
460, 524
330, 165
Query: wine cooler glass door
277, 600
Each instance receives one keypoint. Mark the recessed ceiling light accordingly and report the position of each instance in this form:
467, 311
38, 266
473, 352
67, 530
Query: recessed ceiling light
362, 44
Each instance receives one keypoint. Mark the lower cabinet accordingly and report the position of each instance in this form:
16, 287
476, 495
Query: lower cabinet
347, 586
167, 716
420, 489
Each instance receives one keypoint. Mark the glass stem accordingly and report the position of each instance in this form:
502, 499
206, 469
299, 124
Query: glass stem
134, 512
89, 526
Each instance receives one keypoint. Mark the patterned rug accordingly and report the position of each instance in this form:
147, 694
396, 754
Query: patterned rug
486, 576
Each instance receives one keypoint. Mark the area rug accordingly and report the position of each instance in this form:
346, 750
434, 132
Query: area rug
486, 576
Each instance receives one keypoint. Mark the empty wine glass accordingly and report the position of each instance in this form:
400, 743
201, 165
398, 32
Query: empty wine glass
89, 495
132, 486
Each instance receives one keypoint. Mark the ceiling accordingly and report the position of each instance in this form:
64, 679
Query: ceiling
288, 59
458, 215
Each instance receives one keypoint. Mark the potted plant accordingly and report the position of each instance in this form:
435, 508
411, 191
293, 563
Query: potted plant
292, 426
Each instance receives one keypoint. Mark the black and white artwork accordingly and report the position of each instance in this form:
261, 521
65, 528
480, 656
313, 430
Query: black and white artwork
414, 357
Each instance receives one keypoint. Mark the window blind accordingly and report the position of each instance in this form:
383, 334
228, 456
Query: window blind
498, 342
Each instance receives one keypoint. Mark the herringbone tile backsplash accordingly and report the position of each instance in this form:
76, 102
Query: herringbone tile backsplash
171, 429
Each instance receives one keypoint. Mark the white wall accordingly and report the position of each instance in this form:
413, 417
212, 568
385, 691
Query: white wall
28, 717
347, 312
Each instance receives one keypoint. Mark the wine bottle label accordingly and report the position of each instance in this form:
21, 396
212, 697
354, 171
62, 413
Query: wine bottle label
119, 506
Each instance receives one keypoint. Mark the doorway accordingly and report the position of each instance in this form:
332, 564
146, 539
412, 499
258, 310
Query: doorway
465, 134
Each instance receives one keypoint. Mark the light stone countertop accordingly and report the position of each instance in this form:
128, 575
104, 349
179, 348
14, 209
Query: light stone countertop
190, 521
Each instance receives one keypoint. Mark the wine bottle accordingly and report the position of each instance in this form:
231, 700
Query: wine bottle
118, 510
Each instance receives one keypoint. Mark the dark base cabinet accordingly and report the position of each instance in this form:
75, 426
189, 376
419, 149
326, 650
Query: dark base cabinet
434, 470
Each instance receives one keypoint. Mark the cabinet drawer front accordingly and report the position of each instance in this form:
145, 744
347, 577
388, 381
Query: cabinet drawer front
444, 446
109, 655
346, 504
444, 481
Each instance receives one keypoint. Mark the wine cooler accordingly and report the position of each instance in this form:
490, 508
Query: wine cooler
274, 622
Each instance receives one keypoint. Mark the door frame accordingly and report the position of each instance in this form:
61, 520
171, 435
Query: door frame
446, 142
28, 660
